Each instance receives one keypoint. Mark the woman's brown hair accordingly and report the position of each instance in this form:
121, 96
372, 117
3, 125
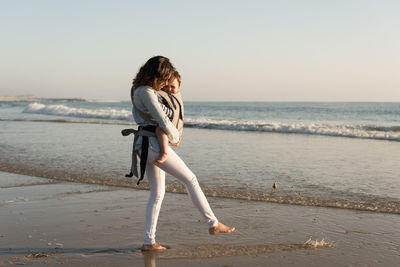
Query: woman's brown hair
153, 73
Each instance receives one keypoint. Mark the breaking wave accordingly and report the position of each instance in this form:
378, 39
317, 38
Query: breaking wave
354, 131
390, 133
62, 110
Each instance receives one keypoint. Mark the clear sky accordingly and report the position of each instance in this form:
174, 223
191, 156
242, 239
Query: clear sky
322, 50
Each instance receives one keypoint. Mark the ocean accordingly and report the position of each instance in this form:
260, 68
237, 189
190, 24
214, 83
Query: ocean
338, 155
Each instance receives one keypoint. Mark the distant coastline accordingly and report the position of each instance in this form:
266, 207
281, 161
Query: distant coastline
34, 98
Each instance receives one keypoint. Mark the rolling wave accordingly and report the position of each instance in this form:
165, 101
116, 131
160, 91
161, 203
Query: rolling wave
62, 110
390, 133
354, 131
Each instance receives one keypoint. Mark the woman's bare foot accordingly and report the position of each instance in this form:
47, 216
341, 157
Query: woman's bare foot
220, 228
163, 158
152, 247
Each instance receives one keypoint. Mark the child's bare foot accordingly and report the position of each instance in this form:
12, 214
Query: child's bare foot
152, 247
220, 228
163, 158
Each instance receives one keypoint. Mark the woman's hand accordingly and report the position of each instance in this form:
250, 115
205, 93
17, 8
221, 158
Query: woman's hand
177, 143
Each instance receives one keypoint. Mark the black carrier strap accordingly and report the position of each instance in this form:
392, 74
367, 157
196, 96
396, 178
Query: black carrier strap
144, 149
143, 157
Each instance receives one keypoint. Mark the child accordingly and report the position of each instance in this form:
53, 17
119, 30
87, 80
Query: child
173, 88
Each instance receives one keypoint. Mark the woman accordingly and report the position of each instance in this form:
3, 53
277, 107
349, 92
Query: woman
152, 76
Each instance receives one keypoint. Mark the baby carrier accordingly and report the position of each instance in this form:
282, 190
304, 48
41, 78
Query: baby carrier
174, 102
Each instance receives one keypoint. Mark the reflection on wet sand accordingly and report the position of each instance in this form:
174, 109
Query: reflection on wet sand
150, 258
223, 250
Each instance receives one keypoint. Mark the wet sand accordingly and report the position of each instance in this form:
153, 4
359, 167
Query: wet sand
51, 222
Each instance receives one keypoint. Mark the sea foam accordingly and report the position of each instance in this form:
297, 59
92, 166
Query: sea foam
390, 133
344, 130
62, 110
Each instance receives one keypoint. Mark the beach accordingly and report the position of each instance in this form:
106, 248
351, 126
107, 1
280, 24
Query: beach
49, 222
64, 198
291, 133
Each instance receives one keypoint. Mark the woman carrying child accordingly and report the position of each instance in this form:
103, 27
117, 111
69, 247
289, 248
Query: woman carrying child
155, 74
171, 103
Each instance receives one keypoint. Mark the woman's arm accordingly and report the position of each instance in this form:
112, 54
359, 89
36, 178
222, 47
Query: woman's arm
148, 98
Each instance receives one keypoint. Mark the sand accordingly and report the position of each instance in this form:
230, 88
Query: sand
48, 222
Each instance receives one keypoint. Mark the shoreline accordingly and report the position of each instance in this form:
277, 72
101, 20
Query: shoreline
386, 205
79, 224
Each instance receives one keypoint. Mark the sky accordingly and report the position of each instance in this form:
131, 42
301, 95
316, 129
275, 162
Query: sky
341, 50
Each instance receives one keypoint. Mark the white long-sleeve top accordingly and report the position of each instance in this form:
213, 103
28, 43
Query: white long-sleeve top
146, 100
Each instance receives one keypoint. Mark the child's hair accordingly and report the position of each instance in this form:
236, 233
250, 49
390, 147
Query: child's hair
154, 72
176, 75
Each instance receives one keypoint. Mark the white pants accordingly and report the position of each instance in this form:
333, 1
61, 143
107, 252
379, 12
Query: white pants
156, 175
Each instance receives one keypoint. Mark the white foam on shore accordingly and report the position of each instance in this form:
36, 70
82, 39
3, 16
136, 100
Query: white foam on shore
318, 244
354, 131
390, 133
62, 110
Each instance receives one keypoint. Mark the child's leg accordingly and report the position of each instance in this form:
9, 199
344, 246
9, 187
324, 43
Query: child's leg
163, 141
